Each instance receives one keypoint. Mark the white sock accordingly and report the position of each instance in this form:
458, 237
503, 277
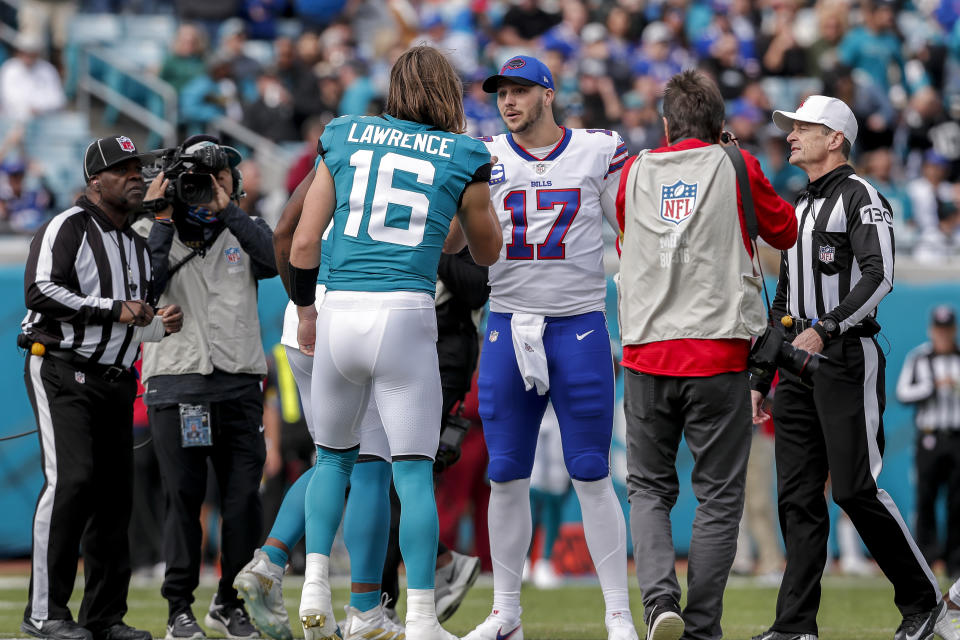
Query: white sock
955, 593
511, 528
421, 605
317, 569
606, 534
848, 540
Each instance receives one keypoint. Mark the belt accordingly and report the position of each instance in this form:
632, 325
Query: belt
110, 373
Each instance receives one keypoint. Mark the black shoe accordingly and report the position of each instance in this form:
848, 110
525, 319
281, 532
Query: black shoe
55, 629
183, 626
231, 620
919, 626
122, 631
784, 635
663, 620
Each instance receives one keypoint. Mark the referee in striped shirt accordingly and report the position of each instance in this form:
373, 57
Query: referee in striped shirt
86, 283
830, 284
930, 380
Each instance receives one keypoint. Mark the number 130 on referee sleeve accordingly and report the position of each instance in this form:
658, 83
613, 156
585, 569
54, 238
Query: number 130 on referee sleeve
552, 248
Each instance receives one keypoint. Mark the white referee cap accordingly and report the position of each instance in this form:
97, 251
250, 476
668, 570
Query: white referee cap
824, 110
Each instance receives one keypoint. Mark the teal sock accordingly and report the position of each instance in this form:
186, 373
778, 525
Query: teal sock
290, 523
277, 556
364, 601
324, 498
366, 523
419, 527
551, 515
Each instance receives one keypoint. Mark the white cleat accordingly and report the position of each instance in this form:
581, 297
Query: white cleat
948, 627
260, 585
370, 625
545, 576
495, 628
620, 626
452, 583
316, 612
427, 629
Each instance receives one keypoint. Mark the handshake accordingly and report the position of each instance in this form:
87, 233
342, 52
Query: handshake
151, 325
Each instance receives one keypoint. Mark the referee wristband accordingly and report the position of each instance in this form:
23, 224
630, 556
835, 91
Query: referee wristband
303, 285
824, 336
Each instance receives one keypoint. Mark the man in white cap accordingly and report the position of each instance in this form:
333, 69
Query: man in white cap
830, 284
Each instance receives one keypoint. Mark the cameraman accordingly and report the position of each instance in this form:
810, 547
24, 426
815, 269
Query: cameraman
689, 303
839, 270
203, 388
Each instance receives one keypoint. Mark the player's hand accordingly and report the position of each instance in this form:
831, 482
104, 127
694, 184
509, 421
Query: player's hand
135, 312
759, 415
172, 317
307, 329
809, 340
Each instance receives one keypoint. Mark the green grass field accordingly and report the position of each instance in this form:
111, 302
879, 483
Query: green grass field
852, 609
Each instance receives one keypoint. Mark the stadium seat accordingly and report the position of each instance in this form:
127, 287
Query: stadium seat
87, 29
149, 29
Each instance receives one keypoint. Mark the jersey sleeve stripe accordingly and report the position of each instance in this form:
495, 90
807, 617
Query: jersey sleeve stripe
616, 166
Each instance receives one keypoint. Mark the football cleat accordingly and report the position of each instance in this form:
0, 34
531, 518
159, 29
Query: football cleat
620, 626
545, 576
494, 628
427, 629
452, 583
260, 585
231, 620
948, 627
370, 625
781, 635
920, 626
316, 612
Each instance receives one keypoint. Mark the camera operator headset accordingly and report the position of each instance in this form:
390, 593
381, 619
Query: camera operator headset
830, 284
203, 390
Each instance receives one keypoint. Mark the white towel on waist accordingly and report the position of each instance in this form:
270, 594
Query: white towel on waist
527, 331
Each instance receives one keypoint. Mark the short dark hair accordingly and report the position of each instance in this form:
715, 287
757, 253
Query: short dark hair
693, 107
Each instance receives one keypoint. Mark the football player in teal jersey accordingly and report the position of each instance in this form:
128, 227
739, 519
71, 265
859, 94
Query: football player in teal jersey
392, 185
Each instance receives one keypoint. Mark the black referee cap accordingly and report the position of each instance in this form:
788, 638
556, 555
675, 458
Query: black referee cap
106, 152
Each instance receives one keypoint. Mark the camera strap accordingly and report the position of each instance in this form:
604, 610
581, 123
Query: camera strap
749, 213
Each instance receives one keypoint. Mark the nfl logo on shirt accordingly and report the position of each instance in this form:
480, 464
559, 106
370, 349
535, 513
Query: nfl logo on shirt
541, 169
677, 201
827, 254
126, 144
80, 377
232, 254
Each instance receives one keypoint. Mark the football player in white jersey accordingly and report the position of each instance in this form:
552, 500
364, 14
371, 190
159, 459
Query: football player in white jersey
547, 336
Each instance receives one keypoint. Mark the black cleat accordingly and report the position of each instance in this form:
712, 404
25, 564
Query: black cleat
55, 629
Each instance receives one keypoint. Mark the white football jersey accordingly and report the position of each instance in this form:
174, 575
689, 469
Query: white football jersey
551, 211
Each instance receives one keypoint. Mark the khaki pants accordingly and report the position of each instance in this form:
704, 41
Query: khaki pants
36, 16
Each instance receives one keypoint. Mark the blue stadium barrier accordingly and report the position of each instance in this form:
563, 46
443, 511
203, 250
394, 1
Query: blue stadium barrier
904, 315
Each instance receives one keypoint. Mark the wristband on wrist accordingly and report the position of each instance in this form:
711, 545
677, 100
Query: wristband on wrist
822, 332
156, 205
303, 285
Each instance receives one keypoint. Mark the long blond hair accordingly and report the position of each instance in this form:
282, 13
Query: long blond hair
425, 88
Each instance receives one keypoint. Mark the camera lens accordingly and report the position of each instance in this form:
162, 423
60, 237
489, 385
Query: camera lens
800, 363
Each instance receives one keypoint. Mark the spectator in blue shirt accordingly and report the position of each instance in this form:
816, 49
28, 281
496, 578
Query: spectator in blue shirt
23, 209
875, 47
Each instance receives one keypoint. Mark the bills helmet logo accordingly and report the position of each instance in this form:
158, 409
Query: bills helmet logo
232, 255
827, 254
677, 201
126, 144
515, 63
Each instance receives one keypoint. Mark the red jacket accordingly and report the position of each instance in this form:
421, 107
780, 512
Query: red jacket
777, 224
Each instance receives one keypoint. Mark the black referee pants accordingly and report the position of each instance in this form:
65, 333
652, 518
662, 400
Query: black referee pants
837, 428
938, 466
238, 453
85, 426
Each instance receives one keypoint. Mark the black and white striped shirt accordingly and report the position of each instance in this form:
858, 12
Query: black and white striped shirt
842, 264
938, 406
79, 270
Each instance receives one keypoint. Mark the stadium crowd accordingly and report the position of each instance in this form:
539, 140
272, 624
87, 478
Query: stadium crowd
285, 67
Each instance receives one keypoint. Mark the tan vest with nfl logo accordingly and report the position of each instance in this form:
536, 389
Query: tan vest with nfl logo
684, 271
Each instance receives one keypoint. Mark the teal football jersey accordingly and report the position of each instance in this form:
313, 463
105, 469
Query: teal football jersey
398, 186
